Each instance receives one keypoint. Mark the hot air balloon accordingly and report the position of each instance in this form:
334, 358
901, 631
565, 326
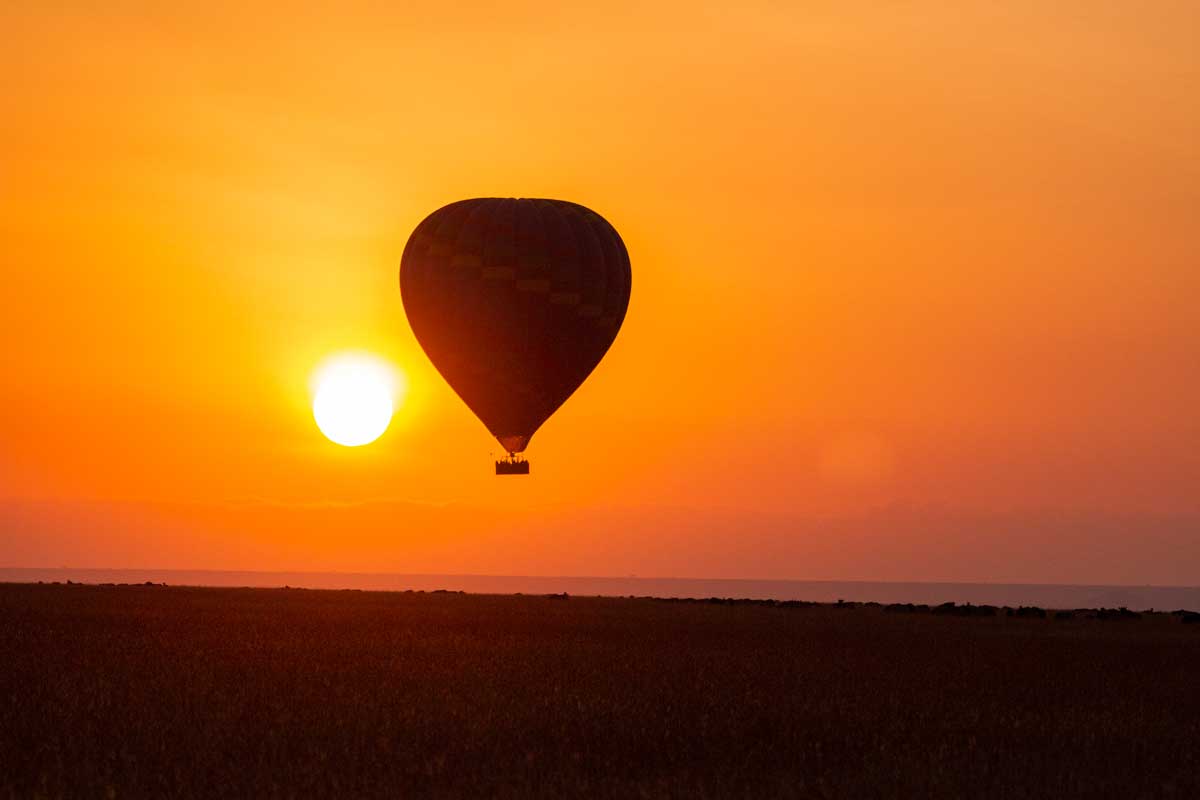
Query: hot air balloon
515, 301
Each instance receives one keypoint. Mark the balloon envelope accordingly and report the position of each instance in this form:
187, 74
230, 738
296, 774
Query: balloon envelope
515, 302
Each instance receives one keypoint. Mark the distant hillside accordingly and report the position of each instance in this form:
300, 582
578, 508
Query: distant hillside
1013, 594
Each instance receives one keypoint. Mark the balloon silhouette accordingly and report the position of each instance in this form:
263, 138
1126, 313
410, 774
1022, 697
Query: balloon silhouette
515, 302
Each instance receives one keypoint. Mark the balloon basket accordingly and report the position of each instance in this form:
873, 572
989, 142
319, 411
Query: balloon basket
513, 465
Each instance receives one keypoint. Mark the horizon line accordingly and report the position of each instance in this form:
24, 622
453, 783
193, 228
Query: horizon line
209, 570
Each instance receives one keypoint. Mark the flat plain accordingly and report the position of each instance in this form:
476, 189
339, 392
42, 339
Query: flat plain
155, 691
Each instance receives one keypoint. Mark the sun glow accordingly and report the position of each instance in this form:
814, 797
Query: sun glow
354, 396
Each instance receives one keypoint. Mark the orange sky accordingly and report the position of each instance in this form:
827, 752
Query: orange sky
915, 286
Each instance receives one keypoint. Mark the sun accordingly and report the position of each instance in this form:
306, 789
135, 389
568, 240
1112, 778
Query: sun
354, 396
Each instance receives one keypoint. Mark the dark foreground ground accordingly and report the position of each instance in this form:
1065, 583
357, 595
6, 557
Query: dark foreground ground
175, 692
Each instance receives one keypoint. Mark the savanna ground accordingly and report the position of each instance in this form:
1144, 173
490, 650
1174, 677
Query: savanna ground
150, 691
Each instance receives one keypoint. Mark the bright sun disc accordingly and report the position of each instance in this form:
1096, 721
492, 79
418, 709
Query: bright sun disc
353, 398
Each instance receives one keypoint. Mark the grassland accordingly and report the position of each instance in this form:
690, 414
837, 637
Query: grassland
150, 691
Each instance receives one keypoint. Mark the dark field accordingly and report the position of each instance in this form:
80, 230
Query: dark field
166, 692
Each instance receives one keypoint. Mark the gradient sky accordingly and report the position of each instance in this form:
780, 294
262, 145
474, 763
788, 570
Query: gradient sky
915, 285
